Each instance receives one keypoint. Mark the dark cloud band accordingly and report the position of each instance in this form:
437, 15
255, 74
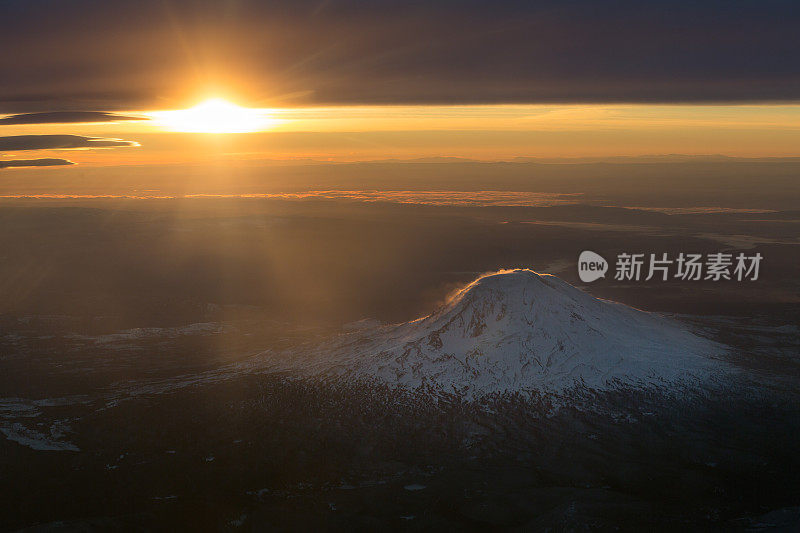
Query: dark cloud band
16, 163
58, 142
398, 52
65, 117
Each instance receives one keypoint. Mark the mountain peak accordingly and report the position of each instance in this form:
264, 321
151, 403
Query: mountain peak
519, 329
510, 282
518, 295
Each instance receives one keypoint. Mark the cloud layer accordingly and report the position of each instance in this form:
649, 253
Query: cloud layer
57, 142
49, 162
392, 52
435, 198
65, 117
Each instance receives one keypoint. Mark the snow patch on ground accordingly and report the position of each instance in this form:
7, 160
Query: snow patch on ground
138, 334
36, 440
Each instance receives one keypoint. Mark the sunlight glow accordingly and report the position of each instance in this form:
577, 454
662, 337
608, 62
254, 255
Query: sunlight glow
216, 116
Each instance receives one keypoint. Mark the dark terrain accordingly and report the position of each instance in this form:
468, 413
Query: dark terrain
259, 451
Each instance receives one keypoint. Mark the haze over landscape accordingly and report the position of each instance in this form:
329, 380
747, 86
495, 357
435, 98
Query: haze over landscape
314, 265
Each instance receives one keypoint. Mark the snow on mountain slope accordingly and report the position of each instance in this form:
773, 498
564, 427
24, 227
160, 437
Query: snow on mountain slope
516, 330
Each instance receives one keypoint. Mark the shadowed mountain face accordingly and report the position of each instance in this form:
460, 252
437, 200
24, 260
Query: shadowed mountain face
516, 330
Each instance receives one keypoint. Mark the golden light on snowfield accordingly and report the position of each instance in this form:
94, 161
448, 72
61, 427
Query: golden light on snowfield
215, 115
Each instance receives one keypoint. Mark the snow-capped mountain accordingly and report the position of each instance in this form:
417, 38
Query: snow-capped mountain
515, 330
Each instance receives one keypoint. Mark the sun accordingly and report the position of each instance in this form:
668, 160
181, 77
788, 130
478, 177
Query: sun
216, 115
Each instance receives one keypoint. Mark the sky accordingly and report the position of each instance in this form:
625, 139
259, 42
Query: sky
346, 80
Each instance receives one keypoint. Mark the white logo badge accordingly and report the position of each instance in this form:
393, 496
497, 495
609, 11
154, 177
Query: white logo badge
591, 266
